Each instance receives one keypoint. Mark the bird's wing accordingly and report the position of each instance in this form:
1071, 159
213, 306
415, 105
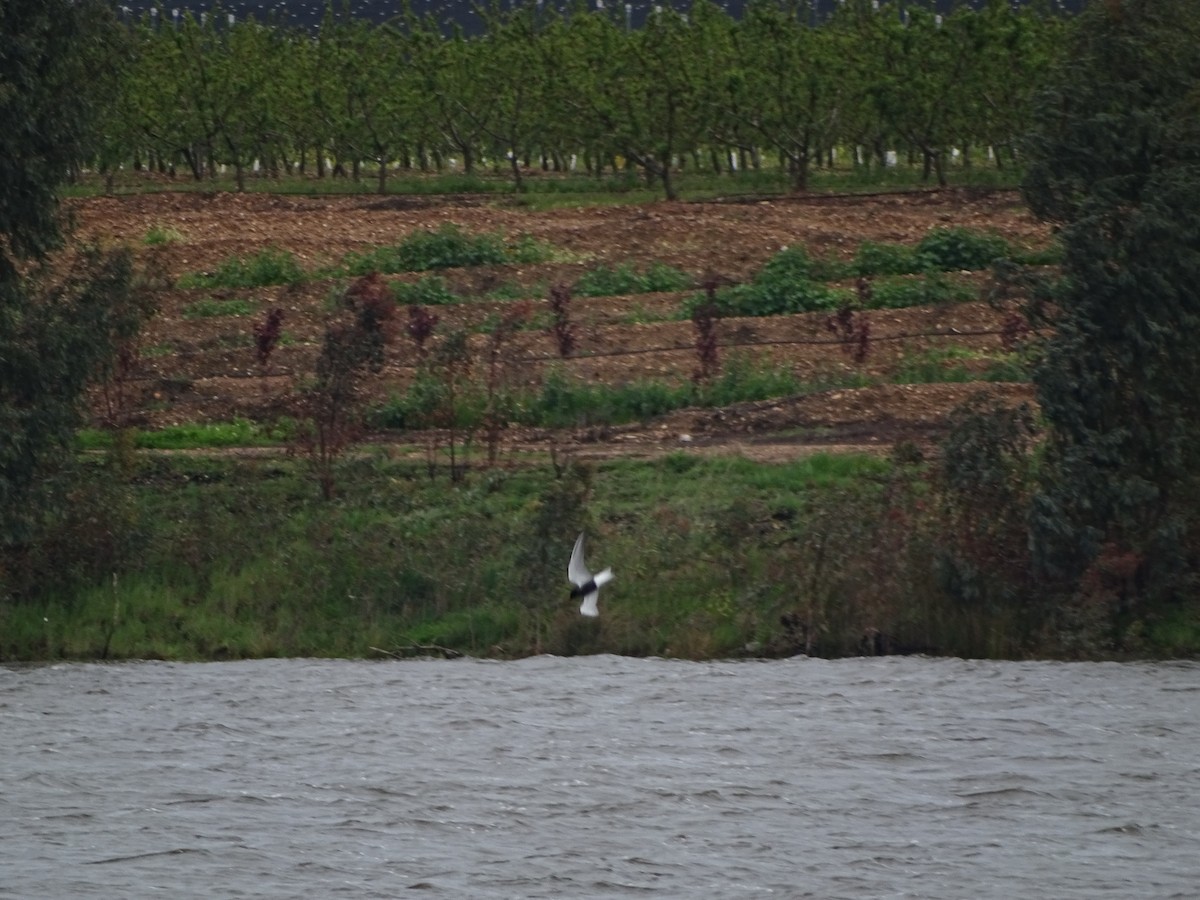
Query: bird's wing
588, 606
577, 572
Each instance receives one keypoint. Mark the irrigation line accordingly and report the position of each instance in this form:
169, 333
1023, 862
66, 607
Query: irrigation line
814, 342
674, 348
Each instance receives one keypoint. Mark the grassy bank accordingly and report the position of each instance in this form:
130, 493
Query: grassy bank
209, 558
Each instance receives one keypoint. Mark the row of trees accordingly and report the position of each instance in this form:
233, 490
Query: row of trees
545, 88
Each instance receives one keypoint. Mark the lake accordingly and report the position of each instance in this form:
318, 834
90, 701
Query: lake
601, 777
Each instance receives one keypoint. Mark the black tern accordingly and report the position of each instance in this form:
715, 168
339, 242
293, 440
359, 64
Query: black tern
586, 584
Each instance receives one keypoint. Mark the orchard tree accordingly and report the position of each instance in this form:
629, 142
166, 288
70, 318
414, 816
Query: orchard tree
1114, 164
786, 90
368, 102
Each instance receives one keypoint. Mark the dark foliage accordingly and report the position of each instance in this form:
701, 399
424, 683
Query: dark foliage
1114, 161
332, 403
560, 308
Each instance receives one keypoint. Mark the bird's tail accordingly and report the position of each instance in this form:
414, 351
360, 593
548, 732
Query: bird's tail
604, 577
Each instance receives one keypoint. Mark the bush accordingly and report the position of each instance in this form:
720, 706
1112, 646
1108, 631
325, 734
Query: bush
605, 281
945, 249
446, 248
885, 259
785, 285
269, 266
429, 291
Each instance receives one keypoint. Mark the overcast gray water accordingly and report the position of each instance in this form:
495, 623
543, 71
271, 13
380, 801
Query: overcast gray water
601, 777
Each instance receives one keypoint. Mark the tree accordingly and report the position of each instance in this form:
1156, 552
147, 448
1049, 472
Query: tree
54, 331
1114, 162
58, 59
786, 91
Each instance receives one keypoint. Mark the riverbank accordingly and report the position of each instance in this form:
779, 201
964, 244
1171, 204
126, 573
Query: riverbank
185, 557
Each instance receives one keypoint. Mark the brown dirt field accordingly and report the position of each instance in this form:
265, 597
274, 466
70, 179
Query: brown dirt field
204, 369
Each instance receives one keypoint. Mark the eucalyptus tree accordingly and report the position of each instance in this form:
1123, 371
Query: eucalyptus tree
1114, 163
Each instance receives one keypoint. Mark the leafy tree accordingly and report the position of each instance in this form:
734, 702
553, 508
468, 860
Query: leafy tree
786, 87
1114, 162
368, 102
54, 60
54, 332
514, 119
457, 104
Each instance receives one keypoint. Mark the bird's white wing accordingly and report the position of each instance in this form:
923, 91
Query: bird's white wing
588, 606
577, 572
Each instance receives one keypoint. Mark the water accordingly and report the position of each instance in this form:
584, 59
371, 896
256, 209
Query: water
600, 777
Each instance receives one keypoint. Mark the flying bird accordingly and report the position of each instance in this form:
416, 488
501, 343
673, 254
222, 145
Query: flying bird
586, 584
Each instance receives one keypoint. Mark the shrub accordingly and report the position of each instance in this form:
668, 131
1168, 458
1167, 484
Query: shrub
944, 249
446, 248
428, 291
885, 259
269, 266
605, 281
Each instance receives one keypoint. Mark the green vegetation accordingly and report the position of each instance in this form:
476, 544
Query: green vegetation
608, 281
195, 436
158, 235
572, 106
563, 402
58, 333
1113, 164
428, 291
267, 267
900, 292
447, 247
229, 558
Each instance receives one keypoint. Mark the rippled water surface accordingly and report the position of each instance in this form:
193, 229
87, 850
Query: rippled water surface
601, 777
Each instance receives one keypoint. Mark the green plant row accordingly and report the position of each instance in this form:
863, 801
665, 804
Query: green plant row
791, 281
445, 247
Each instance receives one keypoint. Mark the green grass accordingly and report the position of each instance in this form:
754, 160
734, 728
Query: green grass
221, 557
157, 235
564, 402
195, 436
897, 292
430, 290
951, 365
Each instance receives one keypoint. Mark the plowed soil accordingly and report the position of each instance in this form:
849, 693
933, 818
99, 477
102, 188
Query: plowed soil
196, 368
